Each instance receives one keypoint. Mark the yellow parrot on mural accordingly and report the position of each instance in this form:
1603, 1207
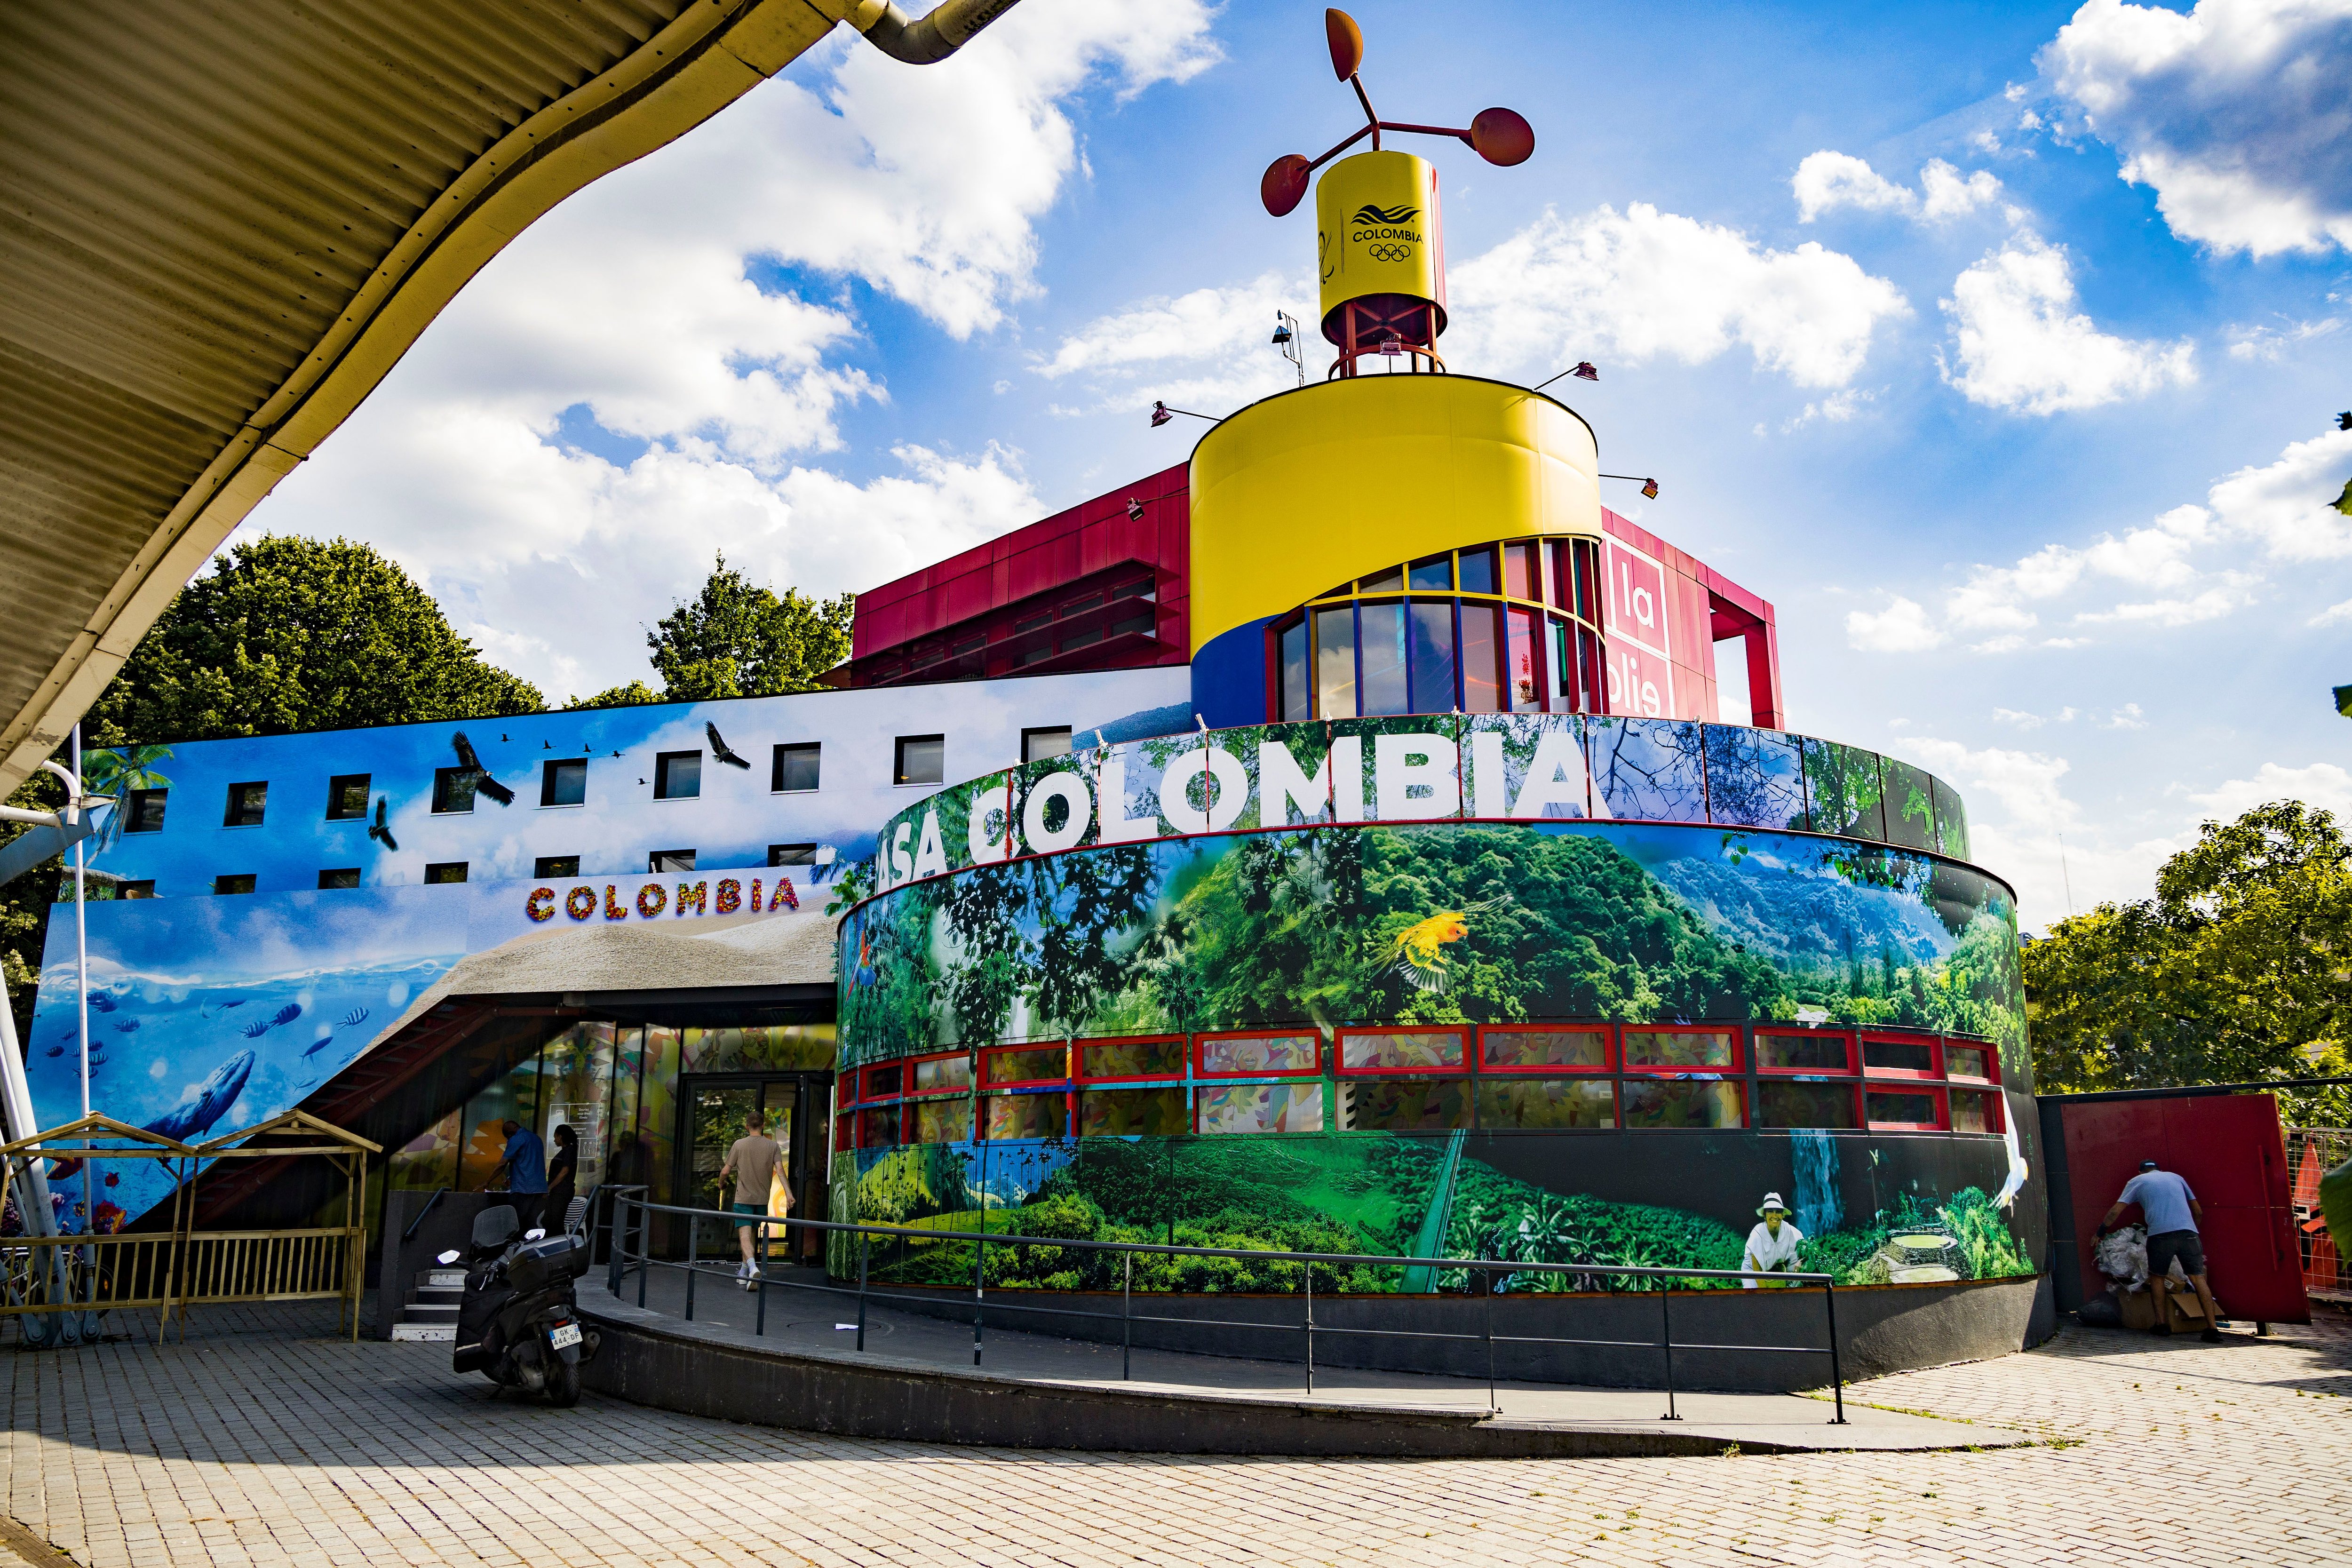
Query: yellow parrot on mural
1415, 952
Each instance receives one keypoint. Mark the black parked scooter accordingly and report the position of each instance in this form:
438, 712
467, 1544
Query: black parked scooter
518, 1322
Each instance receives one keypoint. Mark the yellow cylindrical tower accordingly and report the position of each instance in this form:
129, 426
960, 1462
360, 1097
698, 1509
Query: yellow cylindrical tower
1339, 481
1377, 239
1328, 482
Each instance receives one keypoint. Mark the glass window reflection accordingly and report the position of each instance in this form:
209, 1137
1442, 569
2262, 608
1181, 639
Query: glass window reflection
1432, 657
1334, 662
1384, 683
1481, 681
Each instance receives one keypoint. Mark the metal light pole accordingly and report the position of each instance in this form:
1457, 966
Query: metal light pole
1286, 338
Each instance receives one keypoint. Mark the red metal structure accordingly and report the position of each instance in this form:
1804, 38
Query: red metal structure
1100, 586
2230, 1148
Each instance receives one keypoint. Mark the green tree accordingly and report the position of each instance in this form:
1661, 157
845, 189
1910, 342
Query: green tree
2237, 970
283, 634
634, 694
287, 634
736, 640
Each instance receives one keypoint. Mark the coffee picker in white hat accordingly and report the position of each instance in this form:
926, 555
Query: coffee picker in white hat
1772, 1245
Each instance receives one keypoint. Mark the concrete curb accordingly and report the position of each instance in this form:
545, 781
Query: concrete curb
651, 1359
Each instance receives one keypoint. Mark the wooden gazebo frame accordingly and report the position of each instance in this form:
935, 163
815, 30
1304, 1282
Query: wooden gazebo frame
306, 1264
173, 1270
92, 1271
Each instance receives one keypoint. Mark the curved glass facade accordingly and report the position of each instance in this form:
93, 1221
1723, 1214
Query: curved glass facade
1511, 626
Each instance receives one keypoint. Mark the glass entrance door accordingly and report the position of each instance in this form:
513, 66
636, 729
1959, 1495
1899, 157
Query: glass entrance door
713, 1107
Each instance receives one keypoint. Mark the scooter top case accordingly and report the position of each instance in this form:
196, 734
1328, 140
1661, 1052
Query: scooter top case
551, 1260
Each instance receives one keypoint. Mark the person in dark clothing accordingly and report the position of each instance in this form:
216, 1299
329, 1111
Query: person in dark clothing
562, 1174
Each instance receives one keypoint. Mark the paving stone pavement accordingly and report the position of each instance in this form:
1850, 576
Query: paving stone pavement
264, 1440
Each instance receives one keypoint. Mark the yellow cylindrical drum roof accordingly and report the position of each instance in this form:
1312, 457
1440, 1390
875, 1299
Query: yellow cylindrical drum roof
1335, 481
1376, 216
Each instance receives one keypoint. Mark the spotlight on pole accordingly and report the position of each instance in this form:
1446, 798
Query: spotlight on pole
1160, 415
1649, 486
1134, 509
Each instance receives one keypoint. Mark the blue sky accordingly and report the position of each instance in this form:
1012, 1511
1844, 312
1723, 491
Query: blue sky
1998, 346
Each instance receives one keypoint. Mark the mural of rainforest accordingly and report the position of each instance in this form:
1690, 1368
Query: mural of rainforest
1519, 1028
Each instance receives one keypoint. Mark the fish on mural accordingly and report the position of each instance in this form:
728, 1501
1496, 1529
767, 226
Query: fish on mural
286, 1014
195, 1115
255, 1029
1415, 953
55, 1051
127, 1026
100, 1002
351, 1020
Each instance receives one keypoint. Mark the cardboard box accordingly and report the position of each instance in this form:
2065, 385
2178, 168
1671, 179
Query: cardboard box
2182, 1310
2138, 1307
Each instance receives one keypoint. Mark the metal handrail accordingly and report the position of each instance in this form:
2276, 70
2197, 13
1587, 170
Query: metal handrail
410, 1234
1128, 1317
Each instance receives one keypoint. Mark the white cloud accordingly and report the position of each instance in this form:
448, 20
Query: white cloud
2267, 343
2323, 784
2022, 345
2127, 717
1828, 179
1904, 626
2235, 113
1210, 350
1643, 284
2335, 615
2288, 506
1946, 193
1835, 409
663, 300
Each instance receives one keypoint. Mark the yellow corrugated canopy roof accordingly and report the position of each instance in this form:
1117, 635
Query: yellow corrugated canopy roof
221, 223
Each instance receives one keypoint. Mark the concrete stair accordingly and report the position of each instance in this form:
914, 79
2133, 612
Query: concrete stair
430, 1313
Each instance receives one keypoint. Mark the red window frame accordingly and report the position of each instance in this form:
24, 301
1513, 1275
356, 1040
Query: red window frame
1992, 1061
844, 1132
1935, 1045
896, 1111
1996, 1104
1852, 1086
908, 1080
1201, 1044
1431, 1070
1079, 1058
1852, 1068
1908, 1085
1545, 1075
1490, 1069
980, 1132
1736, 1067
910, 1116
986, 1081
1738, 1082
867, 1091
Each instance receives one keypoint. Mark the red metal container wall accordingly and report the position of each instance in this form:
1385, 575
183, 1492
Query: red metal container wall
2230, 1148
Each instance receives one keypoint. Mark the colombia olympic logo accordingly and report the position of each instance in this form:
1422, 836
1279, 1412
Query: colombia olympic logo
1389, 252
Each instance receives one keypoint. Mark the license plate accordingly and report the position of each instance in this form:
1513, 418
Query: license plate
564, 1336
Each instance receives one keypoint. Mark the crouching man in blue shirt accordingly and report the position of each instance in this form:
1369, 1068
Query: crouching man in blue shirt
2172, 1213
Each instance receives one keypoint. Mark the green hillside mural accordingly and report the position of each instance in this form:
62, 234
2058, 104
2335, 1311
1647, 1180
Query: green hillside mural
1443, 923
1567, 919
